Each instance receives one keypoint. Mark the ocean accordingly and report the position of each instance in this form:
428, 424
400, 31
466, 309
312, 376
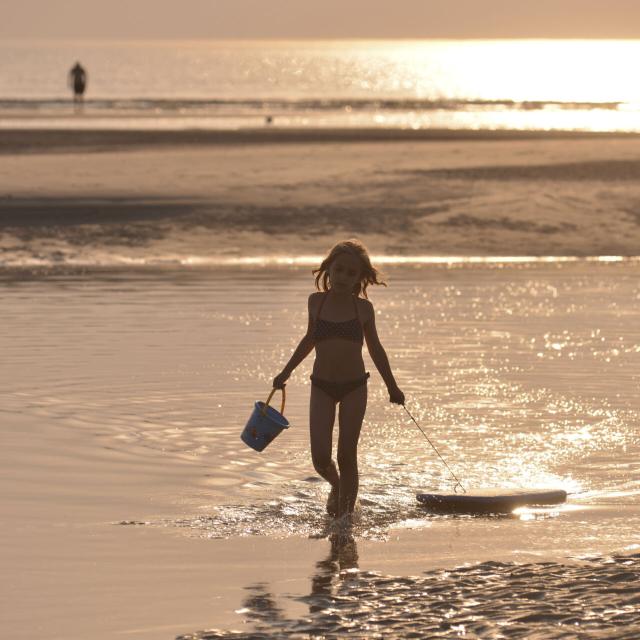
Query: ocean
536, 85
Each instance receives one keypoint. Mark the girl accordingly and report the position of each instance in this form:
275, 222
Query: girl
339, 321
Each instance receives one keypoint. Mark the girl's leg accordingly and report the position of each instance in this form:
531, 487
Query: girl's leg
322, 415
350, 417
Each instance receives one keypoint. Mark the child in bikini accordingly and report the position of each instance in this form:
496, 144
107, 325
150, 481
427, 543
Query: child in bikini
339, 322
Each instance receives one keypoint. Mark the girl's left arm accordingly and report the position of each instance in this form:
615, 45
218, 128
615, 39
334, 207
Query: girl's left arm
379, 356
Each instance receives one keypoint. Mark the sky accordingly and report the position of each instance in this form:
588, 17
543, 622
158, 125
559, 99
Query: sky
204, 19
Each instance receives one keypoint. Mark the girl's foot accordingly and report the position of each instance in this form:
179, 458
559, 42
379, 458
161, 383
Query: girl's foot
332, 501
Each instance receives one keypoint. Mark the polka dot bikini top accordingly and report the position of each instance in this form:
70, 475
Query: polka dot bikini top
347, 330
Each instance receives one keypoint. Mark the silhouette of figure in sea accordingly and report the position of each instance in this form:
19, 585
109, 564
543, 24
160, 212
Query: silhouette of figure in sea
78, 82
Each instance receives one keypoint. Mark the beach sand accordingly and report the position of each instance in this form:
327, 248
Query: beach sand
212, 195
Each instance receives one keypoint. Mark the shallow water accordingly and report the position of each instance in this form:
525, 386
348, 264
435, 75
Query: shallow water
523, 375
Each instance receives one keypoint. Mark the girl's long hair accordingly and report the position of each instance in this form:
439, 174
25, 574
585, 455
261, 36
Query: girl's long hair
368, 273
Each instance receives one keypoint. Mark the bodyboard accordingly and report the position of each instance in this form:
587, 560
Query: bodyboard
490, 500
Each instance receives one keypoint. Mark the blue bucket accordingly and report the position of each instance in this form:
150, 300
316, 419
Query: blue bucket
264, 424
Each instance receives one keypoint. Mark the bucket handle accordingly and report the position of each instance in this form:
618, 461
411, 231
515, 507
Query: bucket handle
266, 404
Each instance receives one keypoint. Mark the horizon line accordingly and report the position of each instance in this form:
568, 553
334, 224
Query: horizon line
90, 39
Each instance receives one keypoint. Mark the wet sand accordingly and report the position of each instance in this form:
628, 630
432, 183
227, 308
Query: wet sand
180, 195
493, 599
73, 140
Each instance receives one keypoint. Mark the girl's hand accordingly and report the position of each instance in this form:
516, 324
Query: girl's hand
395, 395
280, 380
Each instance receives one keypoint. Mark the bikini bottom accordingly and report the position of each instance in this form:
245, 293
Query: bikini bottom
338, 390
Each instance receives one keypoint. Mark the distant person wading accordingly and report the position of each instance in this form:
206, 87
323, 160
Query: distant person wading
78, 82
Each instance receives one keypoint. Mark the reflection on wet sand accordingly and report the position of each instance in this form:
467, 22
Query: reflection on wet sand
340, 565
587, 598
332, 575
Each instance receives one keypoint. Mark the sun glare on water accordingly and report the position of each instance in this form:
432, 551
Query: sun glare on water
520, 84
593, 71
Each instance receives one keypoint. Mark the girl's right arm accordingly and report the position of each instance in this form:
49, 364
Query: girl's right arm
303, 349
